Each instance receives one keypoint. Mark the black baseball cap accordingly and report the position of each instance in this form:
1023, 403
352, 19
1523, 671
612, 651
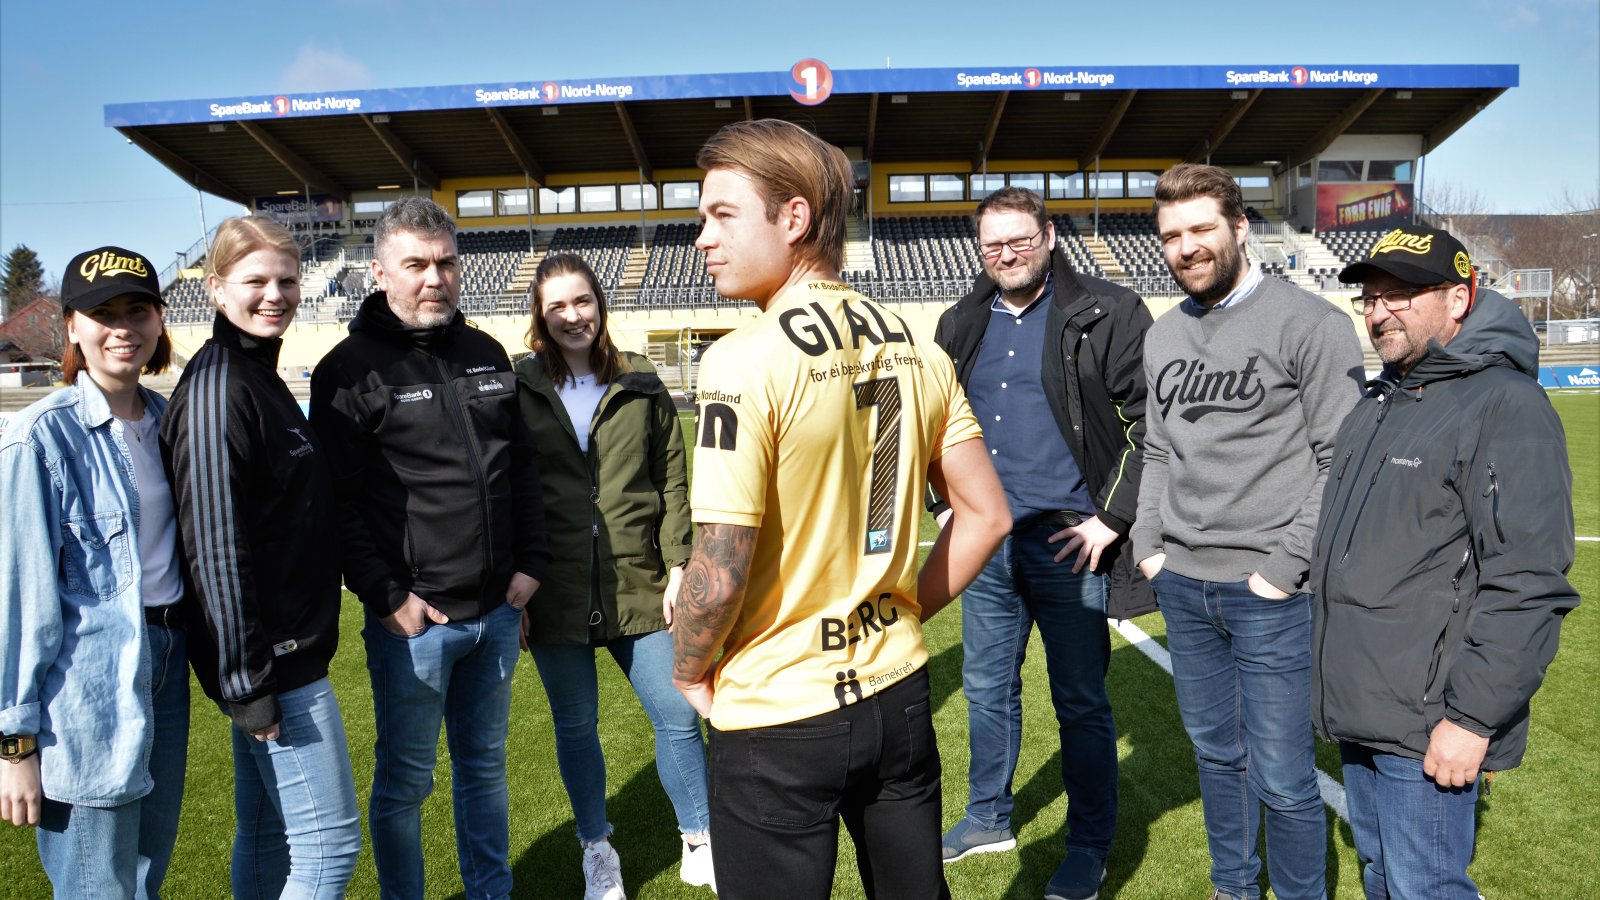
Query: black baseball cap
97, 276
1415, 255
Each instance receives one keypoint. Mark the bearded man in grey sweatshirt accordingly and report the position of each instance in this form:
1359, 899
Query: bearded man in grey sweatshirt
1248, 380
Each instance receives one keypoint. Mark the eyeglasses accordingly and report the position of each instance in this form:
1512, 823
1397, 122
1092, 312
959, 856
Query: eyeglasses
1018, 246
1393, 301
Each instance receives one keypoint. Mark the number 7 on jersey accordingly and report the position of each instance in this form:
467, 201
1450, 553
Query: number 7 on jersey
883, 394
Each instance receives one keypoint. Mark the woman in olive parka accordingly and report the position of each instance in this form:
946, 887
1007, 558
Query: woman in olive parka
611, 461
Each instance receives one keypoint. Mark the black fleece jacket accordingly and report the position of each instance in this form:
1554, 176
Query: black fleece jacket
1094, 381
1442, 553
255, 515
435, 472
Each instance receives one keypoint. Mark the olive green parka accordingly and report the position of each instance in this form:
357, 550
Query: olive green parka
618, 516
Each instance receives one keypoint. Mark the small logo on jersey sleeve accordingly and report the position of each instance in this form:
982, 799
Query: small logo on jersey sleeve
719, 425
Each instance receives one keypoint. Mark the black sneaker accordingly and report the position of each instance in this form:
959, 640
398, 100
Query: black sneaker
1077, 878
968, 837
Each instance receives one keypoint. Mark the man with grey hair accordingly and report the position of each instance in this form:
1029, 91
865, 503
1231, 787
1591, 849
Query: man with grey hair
443, 542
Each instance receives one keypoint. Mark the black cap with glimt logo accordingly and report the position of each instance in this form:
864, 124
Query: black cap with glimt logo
105, 274
1415, 255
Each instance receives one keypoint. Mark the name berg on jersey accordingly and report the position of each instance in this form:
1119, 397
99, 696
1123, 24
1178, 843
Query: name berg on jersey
809, 328
865, 620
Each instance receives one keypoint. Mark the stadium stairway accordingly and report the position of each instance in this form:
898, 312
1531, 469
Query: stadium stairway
1316, 265
1102, 254
858, 255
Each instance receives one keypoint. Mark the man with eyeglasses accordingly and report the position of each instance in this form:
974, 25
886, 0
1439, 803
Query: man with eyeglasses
1249, 378
1441, 562
1052, 363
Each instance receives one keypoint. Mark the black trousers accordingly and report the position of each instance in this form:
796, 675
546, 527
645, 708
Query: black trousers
778, 794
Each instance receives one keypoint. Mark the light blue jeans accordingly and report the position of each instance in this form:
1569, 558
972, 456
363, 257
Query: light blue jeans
295, 800
123, 851
570, 681
458, 673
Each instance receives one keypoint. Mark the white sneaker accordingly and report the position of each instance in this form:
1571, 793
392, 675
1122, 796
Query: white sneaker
696, 866
602, 872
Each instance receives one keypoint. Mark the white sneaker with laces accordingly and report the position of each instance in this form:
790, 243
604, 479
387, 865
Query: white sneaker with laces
696, 866
602, 872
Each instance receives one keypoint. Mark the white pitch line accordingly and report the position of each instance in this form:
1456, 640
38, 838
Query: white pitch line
1332, 791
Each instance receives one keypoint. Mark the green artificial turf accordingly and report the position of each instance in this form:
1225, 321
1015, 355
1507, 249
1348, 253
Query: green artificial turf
1535, 837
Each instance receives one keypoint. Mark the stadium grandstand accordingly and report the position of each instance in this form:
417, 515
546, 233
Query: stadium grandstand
1328, 157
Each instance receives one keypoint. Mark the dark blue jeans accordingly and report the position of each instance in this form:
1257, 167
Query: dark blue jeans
1241, 666
1414, 837
778, 793
458, 673
1021, 586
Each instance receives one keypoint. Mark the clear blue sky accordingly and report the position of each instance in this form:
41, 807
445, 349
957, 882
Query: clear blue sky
68, 183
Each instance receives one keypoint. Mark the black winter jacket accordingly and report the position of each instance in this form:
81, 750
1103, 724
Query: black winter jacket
1445, 538
255, 515
1094, 379
436, 475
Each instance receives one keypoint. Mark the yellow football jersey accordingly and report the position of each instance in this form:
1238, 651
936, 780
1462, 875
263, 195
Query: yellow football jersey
816, 424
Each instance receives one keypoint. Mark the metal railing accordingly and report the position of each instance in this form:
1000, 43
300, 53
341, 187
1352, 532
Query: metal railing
1486, 257
185, 259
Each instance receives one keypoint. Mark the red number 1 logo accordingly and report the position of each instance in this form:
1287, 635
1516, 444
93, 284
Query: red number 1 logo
280, 105
815, 80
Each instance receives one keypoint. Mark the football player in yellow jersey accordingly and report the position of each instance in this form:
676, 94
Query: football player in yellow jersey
820, 423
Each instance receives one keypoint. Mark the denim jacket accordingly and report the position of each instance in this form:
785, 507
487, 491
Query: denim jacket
74, 663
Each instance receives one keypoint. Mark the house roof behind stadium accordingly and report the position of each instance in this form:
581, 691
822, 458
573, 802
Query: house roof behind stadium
338, 142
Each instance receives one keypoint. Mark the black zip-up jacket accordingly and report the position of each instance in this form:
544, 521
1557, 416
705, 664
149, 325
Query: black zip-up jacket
1094, 380
1441, 557
436, 476
255, 515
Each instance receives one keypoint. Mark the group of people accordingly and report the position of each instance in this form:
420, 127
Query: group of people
215, 531
1397, 587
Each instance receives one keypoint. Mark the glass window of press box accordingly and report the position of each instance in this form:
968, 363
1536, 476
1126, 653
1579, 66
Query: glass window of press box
473, 204
680, 195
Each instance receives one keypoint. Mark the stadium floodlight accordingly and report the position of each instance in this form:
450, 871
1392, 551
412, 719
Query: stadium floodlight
287, 193
724, 103
217, 127
388, 187
1402, 95
898, 98
381, 118
1238, 95
551, 110
1069, 96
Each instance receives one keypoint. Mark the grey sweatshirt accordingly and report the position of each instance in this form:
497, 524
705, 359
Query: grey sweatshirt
1243, 406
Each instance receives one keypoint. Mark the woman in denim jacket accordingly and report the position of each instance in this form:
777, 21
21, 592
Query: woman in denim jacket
92, 653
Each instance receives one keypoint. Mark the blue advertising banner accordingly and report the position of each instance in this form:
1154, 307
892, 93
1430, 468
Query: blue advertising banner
1570, 376
295, 209
810, 81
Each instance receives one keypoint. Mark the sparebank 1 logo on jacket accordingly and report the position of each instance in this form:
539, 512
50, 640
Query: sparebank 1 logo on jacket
1198, 391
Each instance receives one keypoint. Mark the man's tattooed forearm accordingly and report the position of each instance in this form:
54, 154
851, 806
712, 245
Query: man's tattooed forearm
708, 602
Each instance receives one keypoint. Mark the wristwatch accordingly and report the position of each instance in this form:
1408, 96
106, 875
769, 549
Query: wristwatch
15, 748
